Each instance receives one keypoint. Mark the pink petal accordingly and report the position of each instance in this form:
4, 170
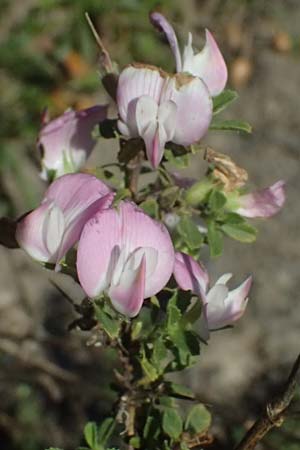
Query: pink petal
135, 82
156, 125
52, 229
237, 299
194, 108
40, 232
190, 275
263, 203
216, 313
209, 64
140, 231
69, 139
98, 251
225, 307
161, 23
124, 233
128, 296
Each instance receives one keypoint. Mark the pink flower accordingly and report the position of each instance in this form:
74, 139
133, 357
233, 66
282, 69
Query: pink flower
160, 107
66, 142
263, 203
49, 231
221, 306
209, 64
125, 253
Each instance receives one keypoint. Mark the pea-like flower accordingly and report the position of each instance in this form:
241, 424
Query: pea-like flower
160, 107
209, 64
50, 230
263, 203
125, 253
221, 307
66, 142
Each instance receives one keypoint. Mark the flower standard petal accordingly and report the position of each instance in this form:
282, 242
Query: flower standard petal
190, 275
208, 64
134, 82
161, 23
263, 203
141, 231
112, 246
66, 142
194, 107
98, 251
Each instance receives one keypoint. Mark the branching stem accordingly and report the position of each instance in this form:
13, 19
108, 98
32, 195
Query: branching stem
274, 413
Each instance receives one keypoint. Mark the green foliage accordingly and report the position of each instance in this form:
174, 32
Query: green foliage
172, 423
108, 318
198, 419
98, 436
221, 101
189, 233
231, 125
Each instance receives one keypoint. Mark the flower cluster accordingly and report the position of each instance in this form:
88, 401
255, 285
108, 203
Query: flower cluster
122, 251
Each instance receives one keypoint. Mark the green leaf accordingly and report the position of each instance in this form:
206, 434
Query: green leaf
189, 232
231, 125
91, 435
221, 101
174, 314
136, 329
172, 423
198, 419
150, 207
169, 196
180, 161
194, 313
105, 430
53, 448
159, 354
109, 324
215, 240
184, 446
148, 368
179, 391
196, 194
243, 232
135, 442
216, 200
121, 194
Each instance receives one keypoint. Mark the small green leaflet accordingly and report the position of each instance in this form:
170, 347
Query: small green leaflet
231, 125
223, 100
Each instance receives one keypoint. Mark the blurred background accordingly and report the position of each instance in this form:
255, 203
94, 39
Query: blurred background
51, 381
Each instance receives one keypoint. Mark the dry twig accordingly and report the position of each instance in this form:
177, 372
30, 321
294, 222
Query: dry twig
274, 413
